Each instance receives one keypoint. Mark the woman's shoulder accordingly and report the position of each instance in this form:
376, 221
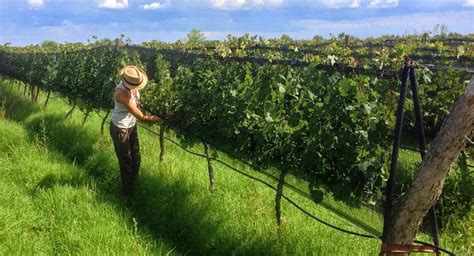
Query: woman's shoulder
121, 93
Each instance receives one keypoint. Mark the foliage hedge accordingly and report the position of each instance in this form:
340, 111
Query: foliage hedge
329, 126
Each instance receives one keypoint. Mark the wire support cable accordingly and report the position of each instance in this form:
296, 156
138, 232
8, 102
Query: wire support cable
267, 185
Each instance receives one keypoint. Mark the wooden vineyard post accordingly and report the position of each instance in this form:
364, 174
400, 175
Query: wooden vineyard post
103, 122
32, 93
37, 94
281, 183
70, 111
162, 143
26, 88
209, 168
428, 182
47, 99
86, 116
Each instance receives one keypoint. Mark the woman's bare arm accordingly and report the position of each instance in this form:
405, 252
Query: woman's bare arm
122, 96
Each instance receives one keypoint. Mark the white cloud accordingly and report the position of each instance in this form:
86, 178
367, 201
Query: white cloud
342, 3
241, 4
272, 2
36, 3
469, 3
228, 4
153, 6
383, 3
67, 28
114, 4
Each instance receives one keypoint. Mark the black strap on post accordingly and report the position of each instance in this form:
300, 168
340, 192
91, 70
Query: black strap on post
422, 145
396, 146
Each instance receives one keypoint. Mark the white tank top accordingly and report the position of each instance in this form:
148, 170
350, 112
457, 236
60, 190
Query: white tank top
121, 117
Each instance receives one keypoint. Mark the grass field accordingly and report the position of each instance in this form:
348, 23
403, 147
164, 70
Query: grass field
60, 194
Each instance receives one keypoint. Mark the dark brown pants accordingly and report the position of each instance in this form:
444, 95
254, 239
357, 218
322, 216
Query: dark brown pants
127, 149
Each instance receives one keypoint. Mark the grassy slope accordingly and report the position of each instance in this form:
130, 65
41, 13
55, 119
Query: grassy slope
59, 192
49, 205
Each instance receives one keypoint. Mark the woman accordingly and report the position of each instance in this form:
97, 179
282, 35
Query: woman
123, 128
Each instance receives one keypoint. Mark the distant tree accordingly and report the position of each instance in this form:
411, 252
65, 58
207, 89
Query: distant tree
154, 43
286, 39
49, 44
425, 37
455, 35
440, 30
74, 44
318, 39
195, 36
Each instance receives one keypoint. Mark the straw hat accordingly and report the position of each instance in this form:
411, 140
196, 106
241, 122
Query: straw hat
133, 77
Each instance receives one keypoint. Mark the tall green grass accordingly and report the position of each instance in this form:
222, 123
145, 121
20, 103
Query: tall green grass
60, 194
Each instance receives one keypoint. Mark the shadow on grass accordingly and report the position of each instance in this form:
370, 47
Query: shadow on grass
161, 207
16, 108
53, 180
69, 140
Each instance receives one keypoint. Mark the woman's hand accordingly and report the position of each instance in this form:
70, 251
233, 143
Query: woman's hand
152, 119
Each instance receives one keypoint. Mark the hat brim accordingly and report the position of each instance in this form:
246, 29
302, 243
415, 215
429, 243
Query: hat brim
129, 86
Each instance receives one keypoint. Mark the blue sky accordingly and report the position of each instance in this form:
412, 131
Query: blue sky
32, 21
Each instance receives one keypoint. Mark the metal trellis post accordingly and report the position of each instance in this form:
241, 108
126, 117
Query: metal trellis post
396, 146
422, 146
